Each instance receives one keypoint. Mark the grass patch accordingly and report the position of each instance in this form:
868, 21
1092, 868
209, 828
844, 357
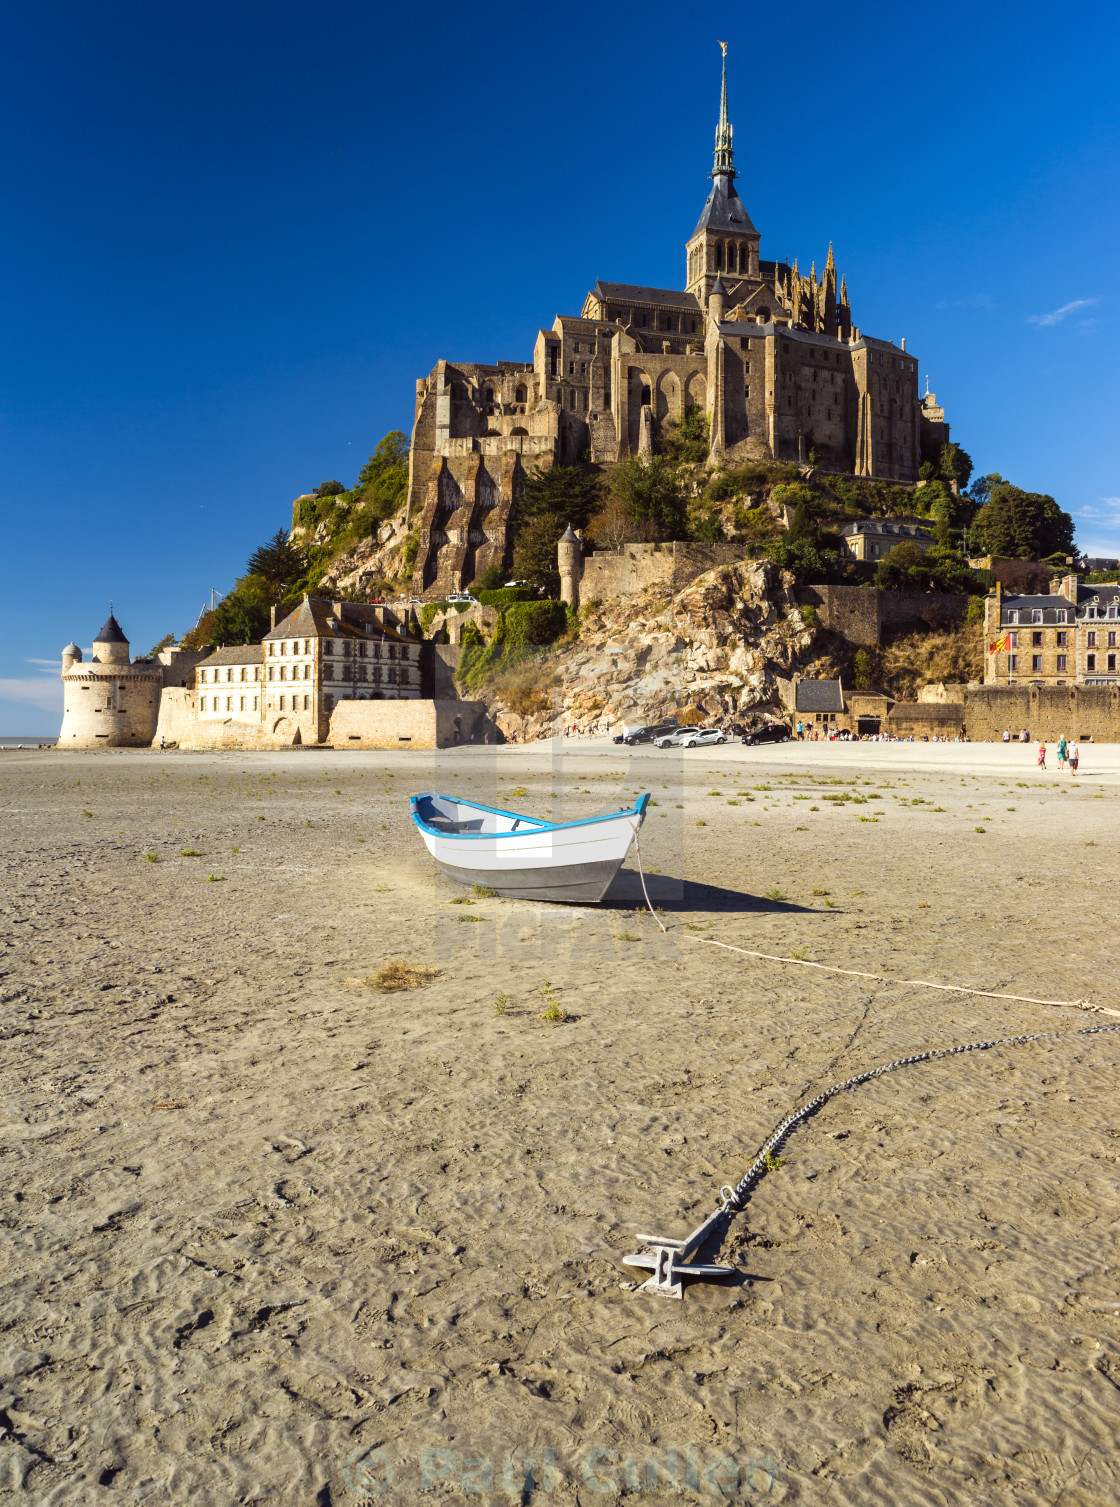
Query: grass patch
818, 892
771, 1162
191, 853
460, 900
519, 791
484, 890
215, 878
555, 1014
398, 975
775, 894
501, 1004
473, 918
87, 813
152, 857
628, 936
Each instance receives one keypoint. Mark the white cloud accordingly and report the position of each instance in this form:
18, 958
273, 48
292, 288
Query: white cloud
34, 690
1098, 531
1057, 315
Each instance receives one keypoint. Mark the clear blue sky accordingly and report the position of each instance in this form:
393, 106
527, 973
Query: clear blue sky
235, 234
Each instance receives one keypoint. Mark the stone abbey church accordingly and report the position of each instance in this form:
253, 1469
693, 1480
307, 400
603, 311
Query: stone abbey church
769, 354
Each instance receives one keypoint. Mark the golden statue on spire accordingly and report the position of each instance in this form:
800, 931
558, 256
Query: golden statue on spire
724, 46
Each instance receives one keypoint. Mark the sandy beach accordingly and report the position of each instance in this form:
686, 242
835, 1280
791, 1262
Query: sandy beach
272, 1235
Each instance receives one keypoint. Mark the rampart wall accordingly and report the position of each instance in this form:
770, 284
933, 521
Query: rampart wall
623, 572
860, 613
1089, 713
410, 724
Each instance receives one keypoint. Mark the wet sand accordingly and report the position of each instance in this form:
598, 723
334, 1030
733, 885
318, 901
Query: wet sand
274, 1236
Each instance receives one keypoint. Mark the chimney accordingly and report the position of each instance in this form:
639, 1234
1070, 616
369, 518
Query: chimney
272, 616
904, 342
1067, 587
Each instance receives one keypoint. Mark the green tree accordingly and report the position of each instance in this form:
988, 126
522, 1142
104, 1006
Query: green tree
863, 670
687, 443
909, 567
278, 562
329, 489
165, 642
386, 472
955, 464
534, 552
1021, 525
650, 489
569, 493
982, 488
491, 579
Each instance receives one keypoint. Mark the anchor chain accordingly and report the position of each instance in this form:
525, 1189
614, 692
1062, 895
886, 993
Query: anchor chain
668, 1259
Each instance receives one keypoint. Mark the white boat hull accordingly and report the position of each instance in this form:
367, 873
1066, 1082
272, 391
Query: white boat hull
522, 858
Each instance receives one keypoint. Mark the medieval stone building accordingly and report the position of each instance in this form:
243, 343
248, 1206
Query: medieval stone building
770, 355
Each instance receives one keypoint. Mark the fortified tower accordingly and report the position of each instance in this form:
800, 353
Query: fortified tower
110, 702
569, 554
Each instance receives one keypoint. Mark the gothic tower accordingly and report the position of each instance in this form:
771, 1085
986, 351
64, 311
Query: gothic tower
724, 243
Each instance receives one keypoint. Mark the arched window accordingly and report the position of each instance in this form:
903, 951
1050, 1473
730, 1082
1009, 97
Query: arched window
520, 395
490, 396
719, 258
646, 397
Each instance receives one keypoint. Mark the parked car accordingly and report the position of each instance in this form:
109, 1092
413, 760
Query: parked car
650, 734
691, 737
461, 596
769, 732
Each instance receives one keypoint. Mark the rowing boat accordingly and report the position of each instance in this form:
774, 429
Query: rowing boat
523, 857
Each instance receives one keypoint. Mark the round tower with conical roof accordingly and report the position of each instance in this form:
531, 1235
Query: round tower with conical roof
569, 554
109, 701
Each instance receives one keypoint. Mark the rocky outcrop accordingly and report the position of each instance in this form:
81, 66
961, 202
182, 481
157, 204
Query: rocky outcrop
373, 560
720, 645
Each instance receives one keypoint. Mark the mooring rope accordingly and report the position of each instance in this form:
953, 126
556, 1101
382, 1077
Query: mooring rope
641, 871
731, 1198
879, 978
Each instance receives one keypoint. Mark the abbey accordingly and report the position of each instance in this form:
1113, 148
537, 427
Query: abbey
770, 355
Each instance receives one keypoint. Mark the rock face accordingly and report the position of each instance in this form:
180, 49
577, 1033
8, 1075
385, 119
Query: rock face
375, 559
719, 645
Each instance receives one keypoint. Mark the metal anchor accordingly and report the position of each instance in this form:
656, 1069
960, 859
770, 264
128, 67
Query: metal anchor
667, 1259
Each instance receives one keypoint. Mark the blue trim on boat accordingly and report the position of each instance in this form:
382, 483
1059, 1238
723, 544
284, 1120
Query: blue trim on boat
534, 823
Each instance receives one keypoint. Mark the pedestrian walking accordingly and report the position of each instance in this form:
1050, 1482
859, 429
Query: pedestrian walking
1062, 752
1007, 735
1074, 757
1042, 756
161, 742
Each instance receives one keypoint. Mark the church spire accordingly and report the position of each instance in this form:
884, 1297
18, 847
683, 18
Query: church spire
723, 164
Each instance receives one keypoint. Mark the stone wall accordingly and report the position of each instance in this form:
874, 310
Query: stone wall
925, 719
179, 724
616, 573
860, 613
410, 724
1089, 713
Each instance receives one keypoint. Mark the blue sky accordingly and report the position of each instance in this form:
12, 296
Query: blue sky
235, 235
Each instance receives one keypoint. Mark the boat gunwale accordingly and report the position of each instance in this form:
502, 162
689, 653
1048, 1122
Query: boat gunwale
535, 824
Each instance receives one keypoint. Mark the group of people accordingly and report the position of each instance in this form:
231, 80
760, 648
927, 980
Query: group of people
1068, 753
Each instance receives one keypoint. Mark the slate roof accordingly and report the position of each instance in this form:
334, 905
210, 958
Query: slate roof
313, 616
819, 696
883, 526
234, 654
110, 632
633, 293
723, 209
